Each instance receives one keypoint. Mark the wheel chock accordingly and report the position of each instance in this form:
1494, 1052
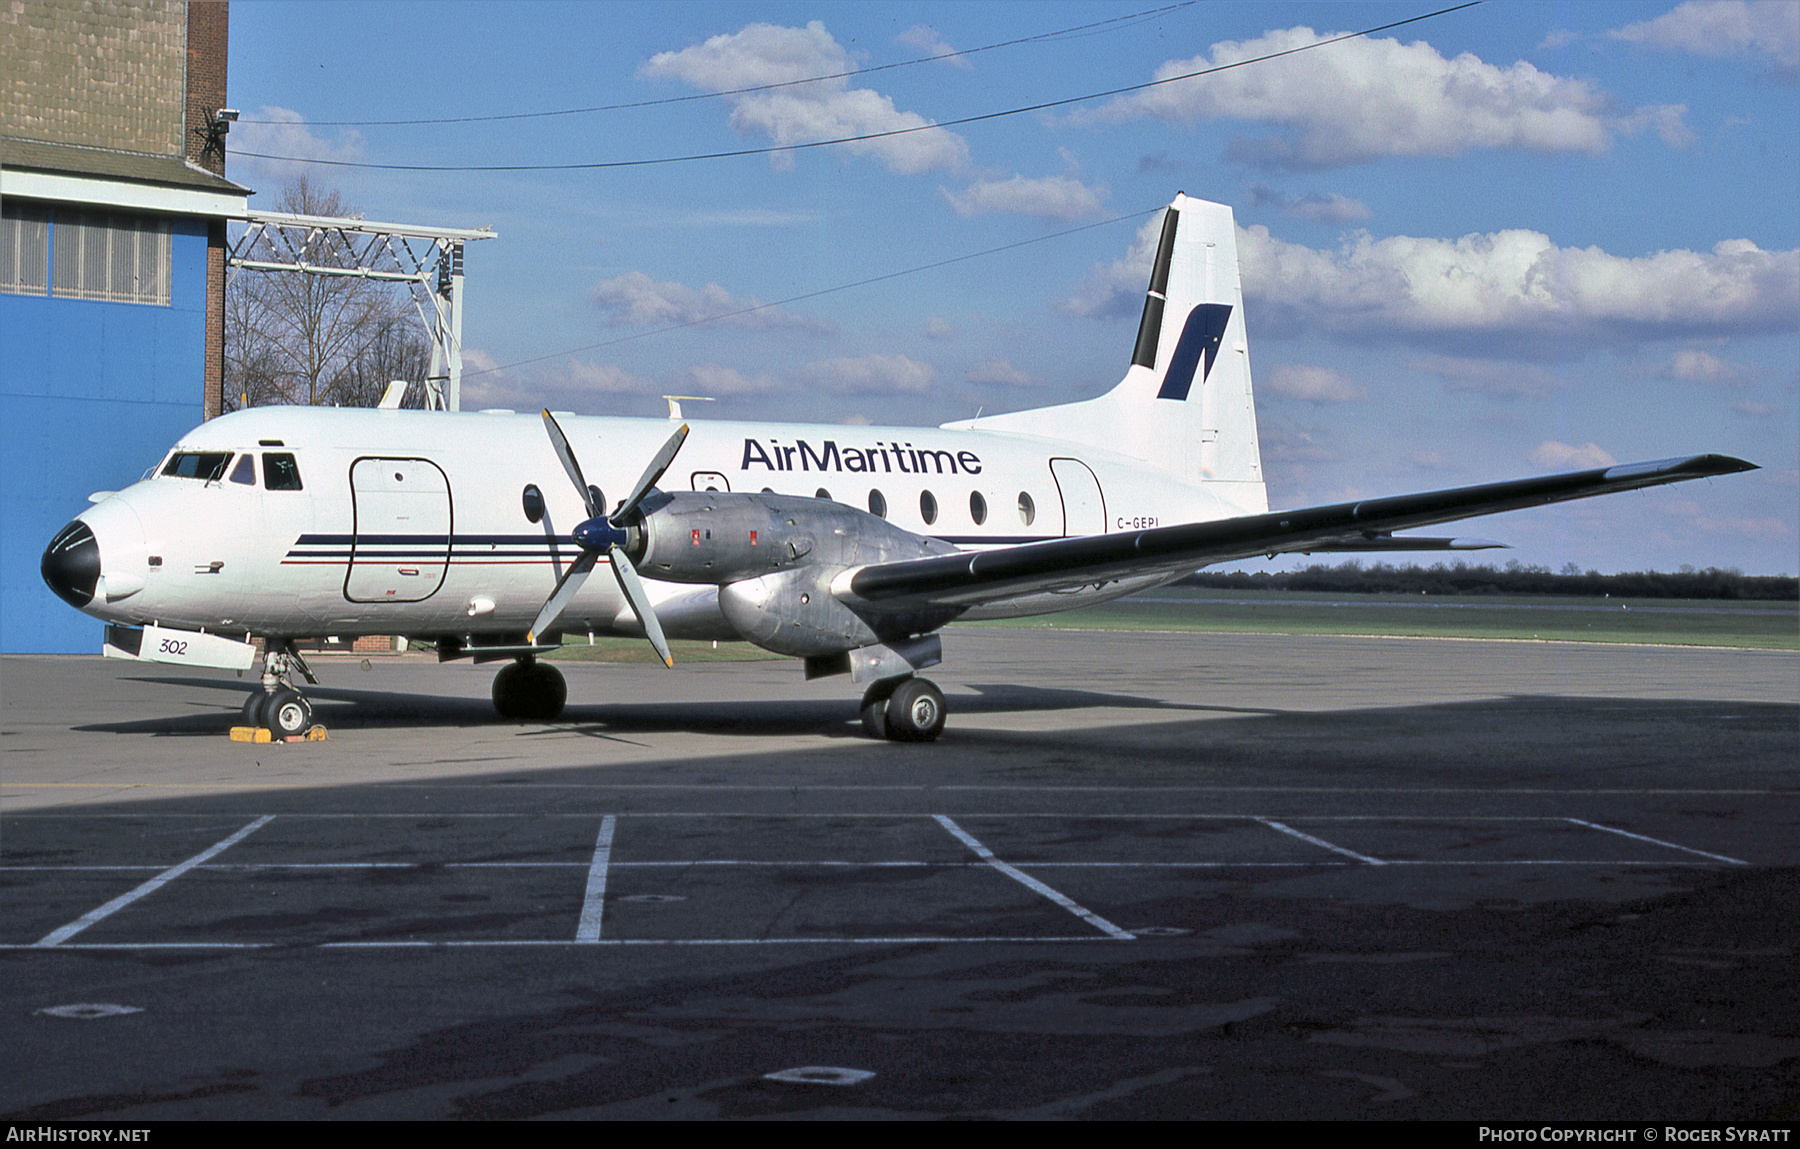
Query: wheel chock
251, 734
316, 734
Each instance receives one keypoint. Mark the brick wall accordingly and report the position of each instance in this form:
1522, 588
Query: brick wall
207, 25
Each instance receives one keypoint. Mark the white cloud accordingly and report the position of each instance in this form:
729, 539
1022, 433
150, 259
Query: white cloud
714, 381
876, 374
1317, 385
1489, 377
828, 109
286, 134
1718, 28
1516, 284
999, 371
1751, 410
1063, 198
1293, 447
636, 300
937, 327
927, 40
1696, 366
1329, 208
573, 384
1116, 290
1366, 98
1553, 455
1700, 517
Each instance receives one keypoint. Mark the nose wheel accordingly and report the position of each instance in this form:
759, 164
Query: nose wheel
903, 710
283, 710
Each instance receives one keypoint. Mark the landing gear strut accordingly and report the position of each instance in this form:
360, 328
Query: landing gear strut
530, 690
278, 705
909, 709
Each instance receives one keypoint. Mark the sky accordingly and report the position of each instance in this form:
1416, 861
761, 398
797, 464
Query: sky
1512, 239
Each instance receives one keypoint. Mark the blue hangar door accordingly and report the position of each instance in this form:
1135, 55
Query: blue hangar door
402, 543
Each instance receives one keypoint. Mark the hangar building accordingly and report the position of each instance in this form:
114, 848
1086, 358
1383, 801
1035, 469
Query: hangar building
113, 202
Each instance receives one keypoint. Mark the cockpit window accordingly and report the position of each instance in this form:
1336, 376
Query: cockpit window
280, 472
245, 471
208, 465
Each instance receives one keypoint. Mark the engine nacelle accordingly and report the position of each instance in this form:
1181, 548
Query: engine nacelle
725, 536
773, 558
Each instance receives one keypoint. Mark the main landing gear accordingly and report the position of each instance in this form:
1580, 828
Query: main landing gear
530, 690
908, 709
277, 705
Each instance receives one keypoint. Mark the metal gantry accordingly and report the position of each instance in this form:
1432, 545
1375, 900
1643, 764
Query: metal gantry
429, 260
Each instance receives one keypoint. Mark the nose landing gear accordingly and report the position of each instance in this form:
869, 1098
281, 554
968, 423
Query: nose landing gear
278, 706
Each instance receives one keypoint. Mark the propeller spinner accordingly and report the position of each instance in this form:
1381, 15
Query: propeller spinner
603, 534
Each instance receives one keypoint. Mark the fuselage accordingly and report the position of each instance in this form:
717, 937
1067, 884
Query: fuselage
298, 521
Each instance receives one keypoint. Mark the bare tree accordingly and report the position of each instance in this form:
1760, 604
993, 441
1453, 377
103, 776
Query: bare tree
295, 337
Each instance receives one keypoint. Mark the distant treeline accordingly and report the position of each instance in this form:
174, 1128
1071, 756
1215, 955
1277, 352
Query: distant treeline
1514, 578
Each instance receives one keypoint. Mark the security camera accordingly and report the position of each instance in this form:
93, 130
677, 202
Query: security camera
229, 115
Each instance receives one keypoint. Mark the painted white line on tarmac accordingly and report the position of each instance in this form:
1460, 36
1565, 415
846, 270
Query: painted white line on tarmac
1032, 883
63, 933
1657, 841
594, 904
1274, 825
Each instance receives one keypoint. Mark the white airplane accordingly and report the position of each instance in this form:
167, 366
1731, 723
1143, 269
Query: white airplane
847, 547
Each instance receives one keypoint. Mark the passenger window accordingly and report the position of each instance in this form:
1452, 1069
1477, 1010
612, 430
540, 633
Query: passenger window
928, 507
977, 507
532, 500
280, 472
208, 465
1027, 509
245, 471
877, 504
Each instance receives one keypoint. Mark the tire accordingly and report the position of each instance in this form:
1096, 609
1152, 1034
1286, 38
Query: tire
915, 712
253, 708
874, 706
530, 692
547, 695
287, 714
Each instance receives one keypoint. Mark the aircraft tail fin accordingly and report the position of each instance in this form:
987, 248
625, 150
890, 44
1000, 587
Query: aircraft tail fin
1185, 404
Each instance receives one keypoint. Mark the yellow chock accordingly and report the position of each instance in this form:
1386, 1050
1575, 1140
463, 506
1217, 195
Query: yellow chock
251, 734
317, 734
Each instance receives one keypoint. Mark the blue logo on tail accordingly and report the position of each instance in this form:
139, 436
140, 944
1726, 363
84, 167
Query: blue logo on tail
1200, 335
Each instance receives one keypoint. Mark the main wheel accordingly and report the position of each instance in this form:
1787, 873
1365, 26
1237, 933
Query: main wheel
874, 706
287, 714
915, 711
253, 707
531, 691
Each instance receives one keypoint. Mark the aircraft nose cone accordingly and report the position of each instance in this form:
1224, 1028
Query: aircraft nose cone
71, 565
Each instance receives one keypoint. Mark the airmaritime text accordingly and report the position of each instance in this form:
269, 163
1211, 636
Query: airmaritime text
882, 458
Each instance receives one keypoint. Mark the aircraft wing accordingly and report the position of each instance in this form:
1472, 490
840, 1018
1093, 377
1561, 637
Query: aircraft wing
971, 578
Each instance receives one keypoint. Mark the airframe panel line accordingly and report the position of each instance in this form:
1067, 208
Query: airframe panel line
594, 903
62, 934
1274, 825
1657, 841
1032, 883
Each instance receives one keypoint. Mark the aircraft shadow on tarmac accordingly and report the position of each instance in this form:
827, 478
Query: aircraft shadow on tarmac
338, 708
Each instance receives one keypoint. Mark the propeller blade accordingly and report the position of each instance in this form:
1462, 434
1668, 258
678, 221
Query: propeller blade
559, 600
651, 473
564, 452
633, 589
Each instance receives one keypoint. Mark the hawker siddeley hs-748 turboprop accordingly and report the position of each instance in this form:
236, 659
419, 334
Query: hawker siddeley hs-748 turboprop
477, 532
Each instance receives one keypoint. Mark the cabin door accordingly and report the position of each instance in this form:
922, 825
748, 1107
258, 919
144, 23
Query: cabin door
402, 543
1084, 508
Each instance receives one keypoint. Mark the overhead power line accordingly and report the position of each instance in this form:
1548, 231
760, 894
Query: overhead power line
1061, 32
598, 164
814, 294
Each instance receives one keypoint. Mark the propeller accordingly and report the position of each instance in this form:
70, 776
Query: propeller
605, 534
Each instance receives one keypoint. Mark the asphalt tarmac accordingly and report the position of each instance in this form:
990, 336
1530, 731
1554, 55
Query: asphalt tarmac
1141, 875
